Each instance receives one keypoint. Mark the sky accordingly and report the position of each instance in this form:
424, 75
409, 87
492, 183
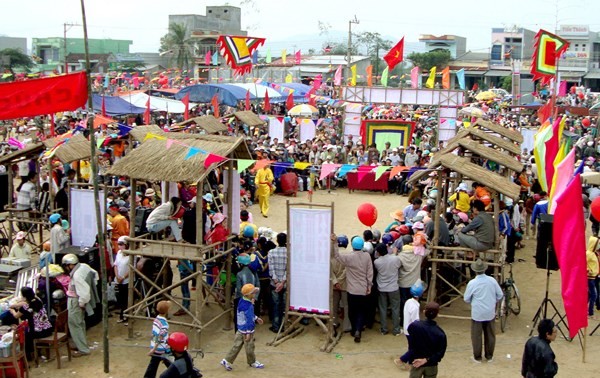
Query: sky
293, 24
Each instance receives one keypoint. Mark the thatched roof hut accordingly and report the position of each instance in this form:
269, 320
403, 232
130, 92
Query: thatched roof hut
139, 133
29, 152
513, 135
76, 148
249, 118
209, 124
153, 161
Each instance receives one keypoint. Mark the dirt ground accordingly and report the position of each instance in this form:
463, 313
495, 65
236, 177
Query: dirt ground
300, 357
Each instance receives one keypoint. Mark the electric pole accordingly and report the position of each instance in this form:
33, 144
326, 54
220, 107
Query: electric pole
349, 57
66, 27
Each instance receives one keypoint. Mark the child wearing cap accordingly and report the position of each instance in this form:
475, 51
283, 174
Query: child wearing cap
419, 239
158, 344
245, 320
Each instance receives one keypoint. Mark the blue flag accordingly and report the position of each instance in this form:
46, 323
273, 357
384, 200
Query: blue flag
255, 57
460, 76
215, 59
106, 80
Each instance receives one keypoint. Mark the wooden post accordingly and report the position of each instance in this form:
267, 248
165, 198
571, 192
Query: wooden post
131, 285
199, 278
11, 191
496, 230
51, 182
230, 215
431, 294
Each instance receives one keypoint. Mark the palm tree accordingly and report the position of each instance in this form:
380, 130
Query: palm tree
181, 47
15, 58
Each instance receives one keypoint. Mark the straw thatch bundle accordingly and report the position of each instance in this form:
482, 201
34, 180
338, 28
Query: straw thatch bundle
30, 151
495, 140
249, 118
152, 160
492, 154
76, 148
513, 135
209, 124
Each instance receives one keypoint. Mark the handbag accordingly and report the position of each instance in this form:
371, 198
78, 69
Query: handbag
111, 292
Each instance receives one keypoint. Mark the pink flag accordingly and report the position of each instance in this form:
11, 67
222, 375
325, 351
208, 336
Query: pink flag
169, 143
298, 57
317, 82
326, 169
414, 77
562, 88
207, 58
570, 253
552, 147
212, 159
564, 172
337, 78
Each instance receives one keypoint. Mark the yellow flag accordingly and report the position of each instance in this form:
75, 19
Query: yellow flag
431, 81
353, 80
288, 78
284, 56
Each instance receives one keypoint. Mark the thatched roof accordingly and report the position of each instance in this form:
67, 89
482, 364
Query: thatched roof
29, 152
490, 153
477, 173
513, 135
76, 148
249, 118
207, 123
139, 133
152, 160
495, 140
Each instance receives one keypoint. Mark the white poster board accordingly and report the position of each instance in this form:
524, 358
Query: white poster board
83, 216
309, 259
308, 129
235, 221
276, 129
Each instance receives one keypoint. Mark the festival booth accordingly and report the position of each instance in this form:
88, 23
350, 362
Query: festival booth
228, 95
484, 140
114, 105
203, 124
249, 118
191, 159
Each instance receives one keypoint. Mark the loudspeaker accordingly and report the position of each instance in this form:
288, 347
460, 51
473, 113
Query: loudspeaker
545, 257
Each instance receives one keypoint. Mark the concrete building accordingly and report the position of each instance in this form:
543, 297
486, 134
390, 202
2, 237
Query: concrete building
52, 51
13, 43
578, 65
456, 45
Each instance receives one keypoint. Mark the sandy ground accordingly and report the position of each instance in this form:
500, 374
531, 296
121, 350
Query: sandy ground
300, 357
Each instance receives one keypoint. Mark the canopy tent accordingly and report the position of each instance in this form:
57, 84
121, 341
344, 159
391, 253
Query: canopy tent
258, 90
203, 93
115, 105
156, 103
299, 88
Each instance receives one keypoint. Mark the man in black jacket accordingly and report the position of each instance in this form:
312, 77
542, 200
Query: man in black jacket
426, 344
538, 357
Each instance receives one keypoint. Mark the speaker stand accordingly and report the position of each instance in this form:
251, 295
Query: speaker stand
595, 329
542, 312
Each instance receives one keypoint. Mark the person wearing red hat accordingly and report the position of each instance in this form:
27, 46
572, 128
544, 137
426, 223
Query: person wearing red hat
183, 365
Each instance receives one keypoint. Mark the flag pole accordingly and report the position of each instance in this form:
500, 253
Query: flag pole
94, 175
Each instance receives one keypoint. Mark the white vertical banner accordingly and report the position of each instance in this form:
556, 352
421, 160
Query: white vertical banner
83, 216
308, 130
309, 259
276, 129
235, 201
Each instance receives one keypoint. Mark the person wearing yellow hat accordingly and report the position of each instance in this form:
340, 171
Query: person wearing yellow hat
20, 250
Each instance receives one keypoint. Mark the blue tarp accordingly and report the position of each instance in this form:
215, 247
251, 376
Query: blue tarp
115, 105
203, 93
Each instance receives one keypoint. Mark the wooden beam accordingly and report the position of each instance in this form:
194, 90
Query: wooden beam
490, 153
495, 140
511, 134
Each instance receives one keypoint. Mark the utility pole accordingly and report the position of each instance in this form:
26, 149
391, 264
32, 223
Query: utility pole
349, 57
66, 27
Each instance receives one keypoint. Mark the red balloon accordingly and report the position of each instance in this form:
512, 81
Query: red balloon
586, 122
595, 208
367, 214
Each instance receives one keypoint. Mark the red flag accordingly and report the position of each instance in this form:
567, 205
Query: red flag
298, 57
267, 102
248, 99
312, 99
30, 98
570, 253
475, 87
544, 112
215, 104
103, 107
289, 103
212, 159
52, 126
552, 147
147, 112
395, 55
186, 102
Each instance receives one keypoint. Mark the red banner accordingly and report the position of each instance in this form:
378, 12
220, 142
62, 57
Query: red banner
43, 96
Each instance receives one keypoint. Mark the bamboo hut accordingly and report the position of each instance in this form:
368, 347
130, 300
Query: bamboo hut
455, 163
75, 148
208, 124
249, 118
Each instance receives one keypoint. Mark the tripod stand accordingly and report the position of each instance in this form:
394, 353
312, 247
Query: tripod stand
542, 311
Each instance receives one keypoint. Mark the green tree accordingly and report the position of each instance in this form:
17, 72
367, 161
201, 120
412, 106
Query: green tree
181, 47
437, 58
11, 59
374, 44
507, 83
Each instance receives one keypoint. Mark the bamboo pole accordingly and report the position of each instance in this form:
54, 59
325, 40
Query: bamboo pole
230, 215
199, 277
131, 284
11, 191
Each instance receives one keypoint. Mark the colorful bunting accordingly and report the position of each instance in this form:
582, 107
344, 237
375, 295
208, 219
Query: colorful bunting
431, 81
337, 78
353, 79
261, 163
169, 143
379, 171
446, 78
243, 164
326, 169
193, 151
345, 168
414, 77
215, 59
301, 165
369, 75
384, 77
213, 159
460, 76
298, 57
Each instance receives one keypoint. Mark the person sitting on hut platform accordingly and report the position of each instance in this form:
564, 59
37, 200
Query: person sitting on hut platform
484, 228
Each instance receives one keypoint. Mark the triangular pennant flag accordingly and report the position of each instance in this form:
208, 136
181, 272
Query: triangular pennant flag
360, 175
326, 169
261, 163
345, 169
212, 159
280, 119
301, 165
243, 164
169, 143
379, 171
193, 151
397, 169
123, 129
150, 136
316, 122
99, 142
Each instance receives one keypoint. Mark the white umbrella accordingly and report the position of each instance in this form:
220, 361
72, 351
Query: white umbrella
303, 110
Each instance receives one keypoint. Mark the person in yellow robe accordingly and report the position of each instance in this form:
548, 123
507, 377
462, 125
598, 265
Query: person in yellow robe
263, 181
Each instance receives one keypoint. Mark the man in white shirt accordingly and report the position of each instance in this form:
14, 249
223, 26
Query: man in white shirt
410, 160
20, 250
394, 157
